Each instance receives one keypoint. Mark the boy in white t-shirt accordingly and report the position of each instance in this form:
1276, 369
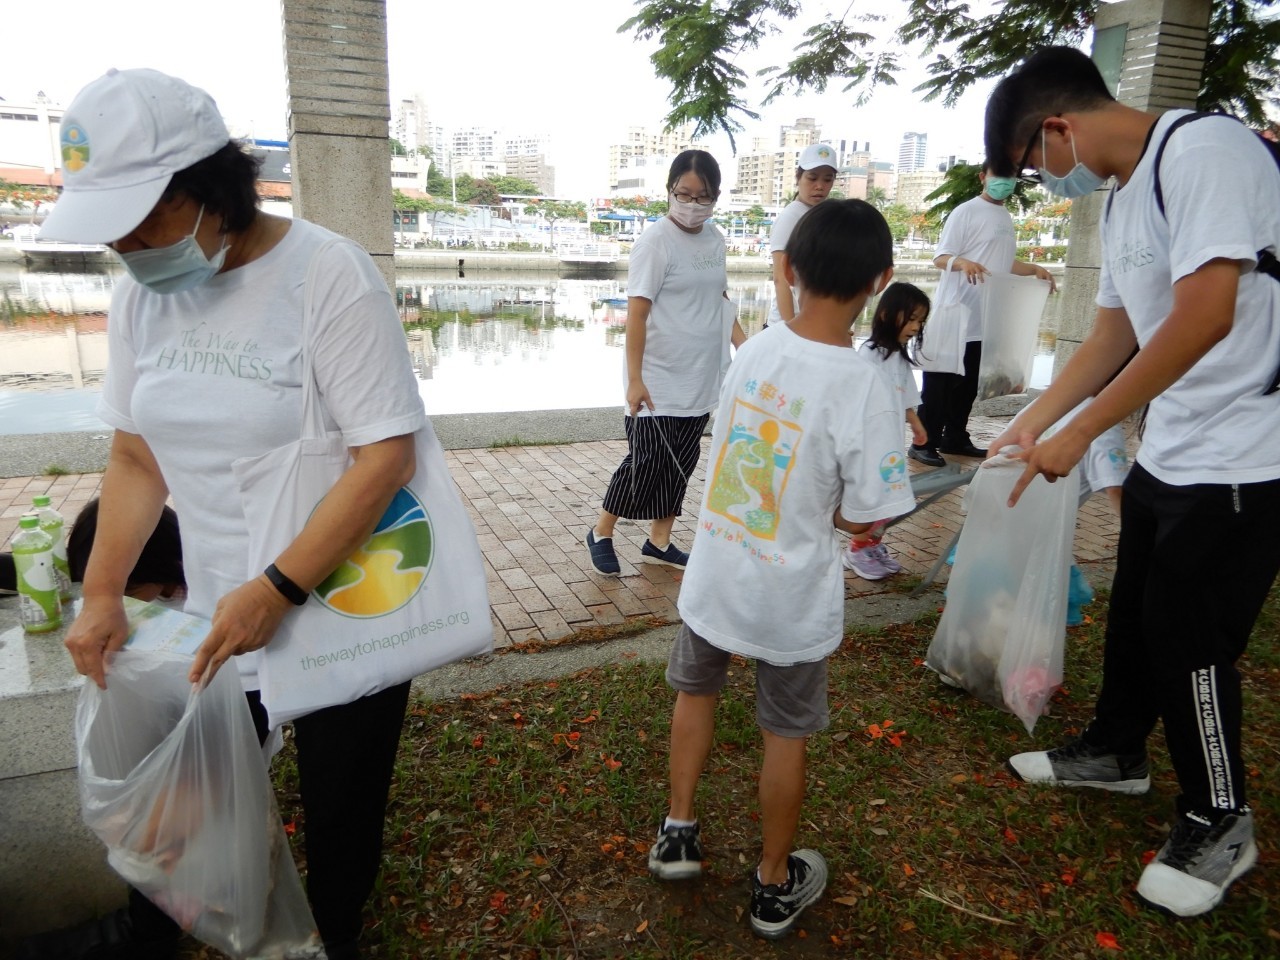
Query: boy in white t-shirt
1184, 281
808, 440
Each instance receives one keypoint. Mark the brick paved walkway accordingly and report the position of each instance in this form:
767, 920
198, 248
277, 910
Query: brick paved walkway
532, 507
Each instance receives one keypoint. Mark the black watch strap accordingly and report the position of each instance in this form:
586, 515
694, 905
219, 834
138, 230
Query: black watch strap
290, 590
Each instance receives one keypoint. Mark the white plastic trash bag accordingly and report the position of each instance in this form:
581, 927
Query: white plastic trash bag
173, 782
1011, 309
1001, 634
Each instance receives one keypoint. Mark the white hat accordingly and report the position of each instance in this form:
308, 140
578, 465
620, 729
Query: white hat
817, 155
123, 138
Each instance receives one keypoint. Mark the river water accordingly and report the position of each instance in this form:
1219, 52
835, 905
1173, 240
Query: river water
499, 342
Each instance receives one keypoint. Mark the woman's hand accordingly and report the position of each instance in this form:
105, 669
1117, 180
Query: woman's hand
1043, 274
243, 621
638, 396
100, 628
973, 271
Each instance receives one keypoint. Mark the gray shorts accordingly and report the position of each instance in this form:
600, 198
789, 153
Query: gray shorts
791, 701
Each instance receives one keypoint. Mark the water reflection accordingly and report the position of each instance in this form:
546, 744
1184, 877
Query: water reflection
501, 343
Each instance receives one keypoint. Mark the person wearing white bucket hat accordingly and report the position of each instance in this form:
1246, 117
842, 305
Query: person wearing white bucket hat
205, 368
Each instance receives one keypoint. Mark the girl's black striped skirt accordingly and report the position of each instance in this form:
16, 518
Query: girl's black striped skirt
650, 482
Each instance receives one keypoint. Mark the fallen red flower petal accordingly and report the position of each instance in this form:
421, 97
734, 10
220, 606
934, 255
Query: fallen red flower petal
1107, 941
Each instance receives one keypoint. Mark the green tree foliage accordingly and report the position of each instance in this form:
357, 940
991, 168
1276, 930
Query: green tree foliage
700, 41
899, 219
397, 148
515, 185
877, 197
558, 209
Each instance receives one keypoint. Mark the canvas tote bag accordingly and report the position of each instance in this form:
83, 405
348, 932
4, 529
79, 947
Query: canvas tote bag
942, 343
412, 598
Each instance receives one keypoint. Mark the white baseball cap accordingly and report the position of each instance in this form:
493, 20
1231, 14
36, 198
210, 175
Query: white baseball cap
817, 155
123, 138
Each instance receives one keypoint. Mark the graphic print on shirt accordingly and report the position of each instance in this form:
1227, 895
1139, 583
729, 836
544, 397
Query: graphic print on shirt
893, 471
751, 469
389, 569
216, 354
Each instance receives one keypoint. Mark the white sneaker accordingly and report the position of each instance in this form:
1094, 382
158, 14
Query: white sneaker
866, 563
1192, 871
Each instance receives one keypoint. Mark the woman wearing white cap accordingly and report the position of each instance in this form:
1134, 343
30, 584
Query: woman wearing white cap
205, 368
815, 176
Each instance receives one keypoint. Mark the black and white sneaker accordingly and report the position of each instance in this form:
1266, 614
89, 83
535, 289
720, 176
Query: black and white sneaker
1078, 764
775, 908
1192, 871
678, 853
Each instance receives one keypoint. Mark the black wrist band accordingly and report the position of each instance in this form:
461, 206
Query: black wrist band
288, 589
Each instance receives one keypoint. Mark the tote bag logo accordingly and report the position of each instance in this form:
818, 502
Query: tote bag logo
389, 570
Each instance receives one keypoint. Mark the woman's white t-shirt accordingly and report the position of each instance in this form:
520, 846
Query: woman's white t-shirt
783, 227
683, 276
1222, 200
803, 428
210, 375
983, 232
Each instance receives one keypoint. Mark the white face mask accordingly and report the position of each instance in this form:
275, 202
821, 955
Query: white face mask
181, 266
691, 215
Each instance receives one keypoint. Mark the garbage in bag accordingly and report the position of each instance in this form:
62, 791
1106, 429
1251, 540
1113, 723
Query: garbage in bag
1011, 308
173, 781
1002, 631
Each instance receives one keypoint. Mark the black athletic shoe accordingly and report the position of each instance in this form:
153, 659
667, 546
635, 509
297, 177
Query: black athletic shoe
602, 556
677, 855
108, 938
966, 449
929, 456
1077, 764
1198, 862
776, 908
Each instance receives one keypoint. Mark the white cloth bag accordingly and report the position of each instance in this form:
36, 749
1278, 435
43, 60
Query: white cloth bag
942, 343
412, 598
1001, 634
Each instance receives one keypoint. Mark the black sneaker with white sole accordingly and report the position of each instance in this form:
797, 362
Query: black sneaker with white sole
678, 853
776, 907
1192, 871
1079, 764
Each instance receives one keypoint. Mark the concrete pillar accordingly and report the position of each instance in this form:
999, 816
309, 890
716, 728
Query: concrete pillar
1151, 53
339, 120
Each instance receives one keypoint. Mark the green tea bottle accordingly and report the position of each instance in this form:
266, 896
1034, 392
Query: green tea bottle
51, 522
39, 608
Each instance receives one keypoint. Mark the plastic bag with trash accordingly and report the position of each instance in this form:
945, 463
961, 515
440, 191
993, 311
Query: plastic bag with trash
1002, 631
173, 781
1011, 309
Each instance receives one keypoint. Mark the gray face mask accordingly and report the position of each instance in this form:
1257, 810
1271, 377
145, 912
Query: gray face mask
1078, 182
181, 266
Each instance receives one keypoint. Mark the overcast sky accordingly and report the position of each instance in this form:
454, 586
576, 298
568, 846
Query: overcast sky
557, 67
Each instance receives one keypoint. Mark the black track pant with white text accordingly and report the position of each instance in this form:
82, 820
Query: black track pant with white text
1194, 567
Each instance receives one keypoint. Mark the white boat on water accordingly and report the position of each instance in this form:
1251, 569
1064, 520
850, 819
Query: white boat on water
588, 251
26, 237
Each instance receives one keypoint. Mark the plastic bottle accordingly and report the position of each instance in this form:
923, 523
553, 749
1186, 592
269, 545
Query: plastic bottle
39, 608
51, 522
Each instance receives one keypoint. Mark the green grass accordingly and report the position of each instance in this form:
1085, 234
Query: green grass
56, 470
520, 819
518, 441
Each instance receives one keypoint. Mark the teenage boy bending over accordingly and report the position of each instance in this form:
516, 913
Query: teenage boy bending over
1181, 284
808, 439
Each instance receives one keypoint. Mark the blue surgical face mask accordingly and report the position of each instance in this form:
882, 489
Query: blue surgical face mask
181, 266
1000, 188
1078, 182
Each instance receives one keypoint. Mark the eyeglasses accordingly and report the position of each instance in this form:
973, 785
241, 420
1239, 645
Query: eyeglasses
690, 198
1026, 172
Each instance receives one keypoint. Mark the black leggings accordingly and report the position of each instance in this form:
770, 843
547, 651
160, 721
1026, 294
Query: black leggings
946, 400
345, 759
1180, 617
